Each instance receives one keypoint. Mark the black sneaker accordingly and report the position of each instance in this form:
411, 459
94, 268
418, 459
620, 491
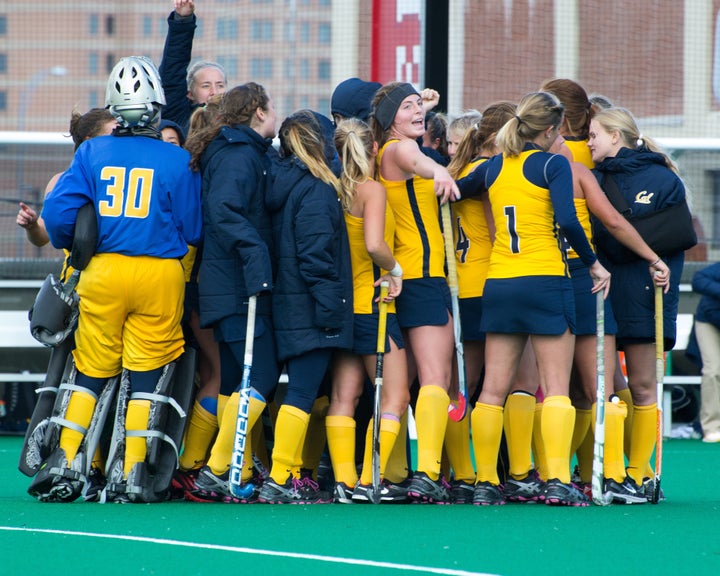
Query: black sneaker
395, 492
528, 489
288, 493
649, 489
311, 493
558, 493
342, 494
461, 492
209, 487
488, 494
625, 492
423, 489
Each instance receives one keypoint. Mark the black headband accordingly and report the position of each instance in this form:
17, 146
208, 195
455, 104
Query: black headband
388, 106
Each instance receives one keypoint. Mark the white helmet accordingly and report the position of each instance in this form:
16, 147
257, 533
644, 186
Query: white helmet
134, 92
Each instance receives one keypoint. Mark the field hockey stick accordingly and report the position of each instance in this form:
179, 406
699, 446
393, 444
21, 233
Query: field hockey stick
456, 411
598, 473
380, 356
241, 426
659, 375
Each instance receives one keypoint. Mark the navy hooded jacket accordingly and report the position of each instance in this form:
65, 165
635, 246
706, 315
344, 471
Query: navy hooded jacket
639, 173
236, 254
313, 293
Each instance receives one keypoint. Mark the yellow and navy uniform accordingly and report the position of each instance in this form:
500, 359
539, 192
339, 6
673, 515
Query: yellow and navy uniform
472, 242
418, 240
580, 151
365, 274
527, 241
420, 249
528, 288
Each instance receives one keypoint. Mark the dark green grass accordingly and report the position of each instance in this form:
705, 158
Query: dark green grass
679, 536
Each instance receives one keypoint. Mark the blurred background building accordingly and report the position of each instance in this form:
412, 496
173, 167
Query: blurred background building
659, 58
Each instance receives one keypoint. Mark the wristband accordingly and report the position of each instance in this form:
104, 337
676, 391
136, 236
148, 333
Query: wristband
656, 261
397, 271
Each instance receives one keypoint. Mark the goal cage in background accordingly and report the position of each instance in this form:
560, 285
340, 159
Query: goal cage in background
658, 58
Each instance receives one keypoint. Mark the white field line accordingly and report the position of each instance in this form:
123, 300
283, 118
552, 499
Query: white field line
259, 552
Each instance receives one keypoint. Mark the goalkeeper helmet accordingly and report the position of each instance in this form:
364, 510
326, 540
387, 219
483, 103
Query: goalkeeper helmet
134, 92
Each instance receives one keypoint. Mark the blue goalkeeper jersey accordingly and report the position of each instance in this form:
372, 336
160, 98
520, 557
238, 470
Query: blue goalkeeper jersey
146, 197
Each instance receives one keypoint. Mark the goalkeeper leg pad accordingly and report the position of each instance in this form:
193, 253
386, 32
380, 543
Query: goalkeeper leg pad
149, 481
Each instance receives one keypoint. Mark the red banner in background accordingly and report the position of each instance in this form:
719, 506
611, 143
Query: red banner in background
396, 42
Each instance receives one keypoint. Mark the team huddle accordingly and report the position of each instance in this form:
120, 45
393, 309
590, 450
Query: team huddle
223, 339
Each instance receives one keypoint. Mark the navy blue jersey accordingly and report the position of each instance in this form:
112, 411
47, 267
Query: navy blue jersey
147, 200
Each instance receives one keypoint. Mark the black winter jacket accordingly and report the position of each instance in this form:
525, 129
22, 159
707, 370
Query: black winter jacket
312, 298
236, 254
176, 57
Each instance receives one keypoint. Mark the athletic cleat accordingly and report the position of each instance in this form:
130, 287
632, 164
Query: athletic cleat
557, 493
95, 485
427, 491
461, 492
528, 489
289, 493
209, 487
649, 489
342, 494
312, 494
625, 492
395, 492
488, 494
183, 481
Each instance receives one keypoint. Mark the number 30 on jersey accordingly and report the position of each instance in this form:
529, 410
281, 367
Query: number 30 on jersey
135, 203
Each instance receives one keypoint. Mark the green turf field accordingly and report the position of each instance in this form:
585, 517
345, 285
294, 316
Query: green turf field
680, 536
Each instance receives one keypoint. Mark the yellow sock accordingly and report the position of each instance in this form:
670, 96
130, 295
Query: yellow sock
457, 446
316, 438
79, 410
290, 430
255, 410
221, 453
518, 424
397, 468
201, 431
558, 420
138, 413
431, 421
341, 445
538, 448
389, 429
259, 443
614, 463
487, 428
643, 441
98, 460
583, 441
626, 397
